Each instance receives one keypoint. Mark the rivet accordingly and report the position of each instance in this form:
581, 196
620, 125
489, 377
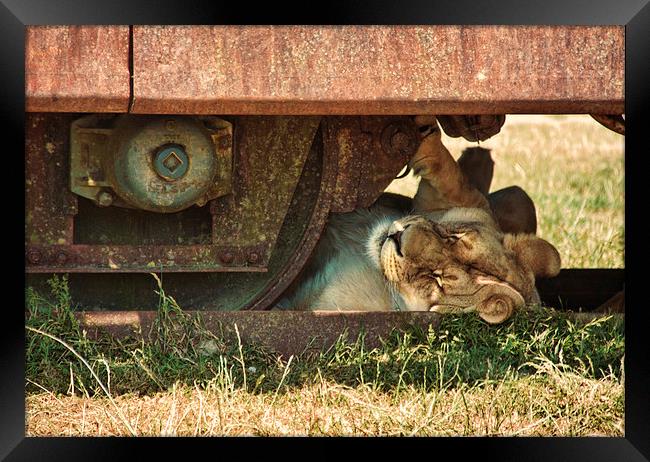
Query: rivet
226, 257
253, 257
34, 256
399, 141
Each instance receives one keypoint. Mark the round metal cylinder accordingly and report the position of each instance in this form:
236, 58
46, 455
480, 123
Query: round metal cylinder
162, 164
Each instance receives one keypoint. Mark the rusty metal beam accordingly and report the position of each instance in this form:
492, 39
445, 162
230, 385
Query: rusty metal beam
77, 69
285, 332
378, 69
84, 258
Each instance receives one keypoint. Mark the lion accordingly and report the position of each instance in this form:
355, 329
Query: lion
452, 248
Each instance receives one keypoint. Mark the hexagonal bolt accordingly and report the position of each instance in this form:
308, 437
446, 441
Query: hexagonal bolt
34, 257
253, 257
105, 198
226, 257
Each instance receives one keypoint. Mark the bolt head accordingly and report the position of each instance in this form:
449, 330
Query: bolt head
398, 138
253, 257
105, 198
34, 256
171, 162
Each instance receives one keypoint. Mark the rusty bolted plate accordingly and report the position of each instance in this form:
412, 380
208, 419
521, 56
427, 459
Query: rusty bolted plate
244, 249
162, 164
239, 252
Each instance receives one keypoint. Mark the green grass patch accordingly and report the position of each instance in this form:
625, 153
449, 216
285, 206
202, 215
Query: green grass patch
463, 350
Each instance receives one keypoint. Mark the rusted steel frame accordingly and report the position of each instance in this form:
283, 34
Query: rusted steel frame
371, 151
378, 69
615, 122
277, 145
86, 258
311, 235
49, 205
285, 332
472, 128
269, 156
77, 69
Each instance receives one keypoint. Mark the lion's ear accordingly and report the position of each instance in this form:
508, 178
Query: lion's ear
534, 253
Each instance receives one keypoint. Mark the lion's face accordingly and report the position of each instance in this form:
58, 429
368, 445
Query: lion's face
458, 260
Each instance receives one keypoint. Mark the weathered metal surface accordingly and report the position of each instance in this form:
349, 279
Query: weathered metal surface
371, 151
84, 258
111, 248
77, 69
378, 69
614, 122
269, 159
125, 161
318, 179
472, 128
242, 227
284, 332
49, 206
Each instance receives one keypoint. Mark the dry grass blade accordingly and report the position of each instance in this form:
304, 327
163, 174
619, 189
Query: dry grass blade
94, 374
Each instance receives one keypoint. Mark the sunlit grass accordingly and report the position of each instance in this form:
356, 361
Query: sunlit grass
573, 169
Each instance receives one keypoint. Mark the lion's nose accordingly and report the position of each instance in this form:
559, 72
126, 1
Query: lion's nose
396, 237
395, 234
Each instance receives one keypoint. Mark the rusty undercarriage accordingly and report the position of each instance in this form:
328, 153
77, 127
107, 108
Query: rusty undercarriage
255, 135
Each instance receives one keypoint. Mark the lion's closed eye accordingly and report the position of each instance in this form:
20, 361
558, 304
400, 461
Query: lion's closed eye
453, 238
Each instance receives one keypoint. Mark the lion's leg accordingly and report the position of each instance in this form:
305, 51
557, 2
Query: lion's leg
512, 207
443, 184
477, 165
514, 210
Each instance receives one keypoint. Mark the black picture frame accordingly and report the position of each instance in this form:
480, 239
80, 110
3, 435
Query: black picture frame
634, 14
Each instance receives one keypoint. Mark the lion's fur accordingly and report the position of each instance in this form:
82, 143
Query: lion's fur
444, 251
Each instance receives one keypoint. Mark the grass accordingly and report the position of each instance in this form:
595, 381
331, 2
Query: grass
464, 378
538, 374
